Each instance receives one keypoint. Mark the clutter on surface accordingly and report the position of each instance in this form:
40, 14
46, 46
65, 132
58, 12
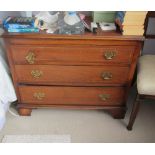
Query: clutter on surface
105, 26
70, 23
20, 24
131, 22
94, 27
61, 23
46, 21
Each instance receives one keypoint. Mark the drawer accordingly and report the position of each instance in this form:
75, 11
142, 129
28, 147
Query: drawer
73, 75
72, 54
107, 96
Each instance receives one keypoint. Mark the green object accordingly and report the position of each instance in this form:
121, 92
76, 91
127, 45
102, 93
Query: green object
104, 16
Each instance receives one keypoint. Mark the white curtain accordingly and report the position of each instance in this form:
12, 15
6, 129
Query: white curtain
7, 92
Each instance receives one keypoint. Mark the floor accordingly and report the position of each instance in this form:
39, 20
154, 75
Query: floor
86, 125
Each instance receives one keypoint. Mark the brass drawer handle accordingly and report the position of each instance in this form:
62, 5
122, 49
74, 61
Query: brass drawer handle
106, 75
30, 57
104, 97
109, 55
39, 95
36, 73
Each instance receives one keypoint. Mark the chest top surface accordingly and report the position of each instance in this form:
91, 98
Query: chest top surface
100, 35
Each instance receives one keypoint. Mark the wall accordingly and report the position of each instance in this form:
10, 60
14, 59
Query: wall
4, 14
149, 44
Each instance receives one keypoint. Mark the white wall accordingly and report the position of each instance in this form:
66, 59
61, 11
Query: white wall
4, 14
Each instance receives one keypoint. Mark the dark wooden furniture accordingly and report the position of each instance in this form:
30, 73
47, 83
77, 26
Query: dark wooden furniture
141, 97
135, 109
89, 71
150, 35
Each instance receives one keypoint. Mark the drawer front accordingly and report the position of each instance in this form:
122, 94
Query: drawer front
107, 96
73, 75
72, 55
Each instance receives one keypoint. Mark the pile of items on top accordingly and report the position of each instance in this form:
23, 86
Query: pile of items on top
131, 22
61, 22
20, 24
72, 22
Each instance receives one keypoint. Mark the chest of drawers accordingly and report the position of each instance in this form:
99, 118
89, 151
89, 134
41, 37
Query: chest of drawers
77, 71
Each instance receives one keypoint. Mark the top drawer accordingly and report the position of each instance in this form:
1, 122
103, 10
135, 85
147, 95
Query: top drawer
96, 55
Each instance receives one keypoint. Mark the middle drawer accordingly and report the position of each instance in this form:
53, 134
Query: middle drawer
72, 75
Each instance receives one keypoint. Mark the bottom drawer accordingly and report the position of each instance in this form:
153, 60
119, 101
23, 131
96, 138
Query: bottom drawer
108, 96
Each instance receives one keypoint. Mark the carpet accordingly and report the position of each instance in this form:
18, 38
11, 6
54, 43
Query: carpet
36, 139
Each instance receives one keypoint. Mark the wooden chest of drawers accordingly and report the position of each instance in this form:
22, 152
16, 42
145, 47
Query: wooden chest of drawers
77, 71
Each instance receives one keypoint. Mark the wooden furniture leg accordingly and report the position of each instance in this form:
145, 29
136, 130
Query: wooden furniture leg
133, 113
118, 113
24, 111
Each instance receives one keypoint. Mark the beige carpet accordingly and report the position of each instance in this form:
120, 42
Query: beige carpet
36, 139
85, 125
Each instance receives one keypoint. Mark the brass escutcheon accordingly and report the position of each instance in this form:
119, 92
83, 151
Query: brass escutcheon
109, 55
104, 97
36, 73
106, 75
30, 57
39, 95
